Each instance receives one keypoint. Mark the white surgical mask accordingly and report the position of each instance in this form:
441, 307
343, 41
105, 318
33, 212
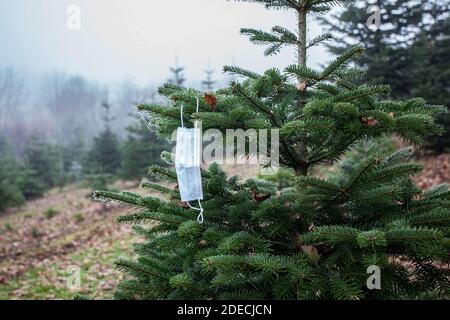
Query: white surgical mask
187, 164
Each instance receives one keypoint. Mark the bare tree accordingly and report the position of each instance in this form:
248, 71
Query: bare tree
12, 95
73, 102
127, 96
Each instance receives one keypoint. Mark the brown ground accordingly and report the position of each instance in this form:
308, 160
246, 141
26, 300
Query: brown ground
436, 171
38, 250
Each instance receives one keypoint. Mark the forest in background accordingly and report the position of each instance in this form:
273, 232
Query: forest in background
66, 128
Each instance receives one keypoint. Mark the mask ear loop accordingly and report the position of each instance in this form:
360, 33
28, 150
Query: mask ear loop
181, 116
146, 122
198, 106
200, 218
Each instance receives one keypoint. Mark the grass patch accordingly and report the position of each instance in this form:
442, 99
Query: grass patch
32, 286
98, 276
50, 213
7, 228
78, 217
35, 233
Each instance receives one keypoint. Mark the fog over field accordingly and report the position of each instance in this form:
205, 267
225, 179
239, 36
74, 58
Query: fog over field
56, 77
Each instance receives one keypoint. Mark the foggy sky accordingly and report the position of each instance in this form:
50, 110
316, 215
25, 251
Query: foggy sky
138, 39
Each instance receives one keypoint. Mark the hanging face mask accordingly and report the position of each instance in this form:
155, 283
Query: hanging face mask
187, 164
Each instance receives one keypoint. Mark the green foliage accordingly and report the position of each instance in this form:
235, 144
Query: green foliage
72, 158
11, 177
50, 213
417, 57
141, 149
79, 217
43, 167
177, 77
248, 246
104, 157
284, 178
98, 181
35, 233
359, 152
208, 83
315, 239
276, 40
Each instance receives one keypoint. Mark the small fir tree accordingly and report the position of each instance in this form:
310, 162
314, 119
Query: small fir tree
43, 168
177, 72
208, 83
141, 147
11, 177
72, 157
317, 239
104, 157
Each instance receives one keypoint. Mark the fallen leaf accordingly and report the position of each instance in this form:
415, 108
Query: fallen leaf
211, 100
302, 86
259, 197
369, 121
311, 252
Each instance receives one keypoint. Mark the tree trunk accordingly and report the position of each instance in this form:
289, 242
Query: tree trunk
301, 54
301, 38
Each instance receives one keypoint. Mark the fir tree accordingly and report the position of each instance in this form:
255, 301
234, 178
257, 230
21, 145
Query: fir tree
141, 148
11, 177
208, 83
312, 241
73, 156
104, 156
10, 191
430, 57
413, 40
43, 168
177, 71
